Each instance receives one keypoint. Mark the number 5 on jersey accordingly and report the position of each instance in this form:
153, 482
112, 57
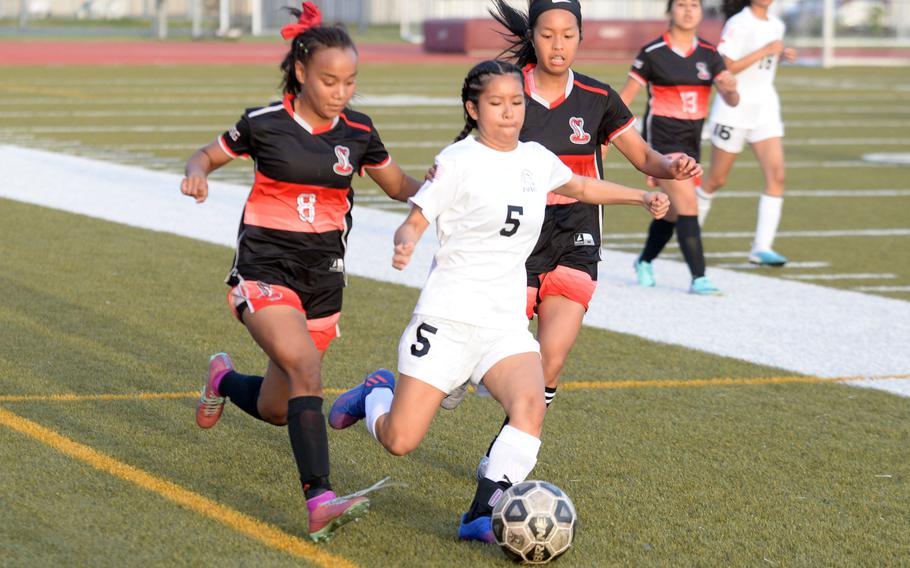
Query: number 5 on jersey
513, 212
422, 347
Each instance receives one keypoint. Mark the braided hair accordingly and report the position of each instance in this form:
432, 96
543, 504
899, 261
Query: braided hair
474, 83
305, 45
732, 7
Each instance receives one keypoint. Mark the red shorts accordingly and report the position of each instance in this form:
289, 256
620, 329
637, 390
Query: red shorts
254, 295
570, 283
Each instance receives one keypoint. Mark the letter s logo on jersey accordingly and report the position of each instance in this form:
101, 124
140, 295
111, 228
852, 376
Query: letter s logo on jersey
579, 136
343, 167
702, 69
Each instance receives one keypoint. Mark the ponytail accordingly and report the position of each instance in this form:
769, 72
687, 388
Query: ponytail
519, 34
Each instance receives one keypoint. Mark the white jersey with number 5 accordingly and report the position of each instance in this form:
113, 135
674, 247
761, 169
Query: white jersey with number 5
489, 208
743, 34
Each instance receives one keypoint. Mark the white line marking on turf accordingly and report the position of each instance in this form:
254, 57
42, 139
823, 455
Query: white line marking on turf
842, 276
791, 264
800, 327
881, 288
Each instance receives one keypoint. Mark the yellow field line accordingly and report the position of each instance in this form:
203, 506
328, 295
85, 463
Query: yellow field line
240, 522
570, 385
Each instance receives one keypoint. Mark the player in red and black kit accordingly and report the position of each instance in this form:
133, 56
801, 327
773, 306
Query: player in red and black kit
678, 69
571, 115
288, 273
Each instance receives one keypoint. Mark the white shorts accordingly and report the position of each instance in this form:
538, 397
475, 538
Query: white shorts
733, 138
446, 354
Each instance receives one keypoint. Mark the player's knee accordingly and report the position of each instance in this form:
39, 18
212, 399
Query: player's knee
777, 177
302, 369
527, 412
400, 445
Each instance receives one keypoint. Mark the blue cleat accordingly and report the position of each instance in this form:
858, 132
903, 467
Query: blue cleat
767, 258
644, 273
350, 407
480, 529
704, 287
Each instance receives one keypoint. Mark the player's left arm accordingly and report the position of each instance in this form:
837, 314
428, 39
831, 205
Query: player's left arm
653, 163
407, 235
394, 182
600, 192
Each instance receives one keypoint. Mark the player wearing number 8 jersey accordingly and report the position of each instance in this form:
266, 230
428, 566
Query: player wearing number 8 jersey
488, 199
751, 45
288, 273
678, 70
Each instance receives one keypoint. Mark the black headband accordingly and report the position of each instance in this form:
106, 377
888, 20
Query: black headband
538, 7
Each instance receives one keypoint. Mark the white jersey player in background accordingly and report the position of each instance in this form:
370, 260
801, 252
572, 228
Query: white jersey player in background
487, 198
751, 44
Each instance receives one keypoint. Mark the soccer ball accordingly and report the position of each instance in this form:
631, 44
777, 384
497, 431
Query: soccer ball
534, 522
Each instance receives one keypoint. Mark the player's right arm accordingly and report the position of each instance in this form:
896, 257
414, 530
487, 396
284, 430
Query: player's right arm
407, 235
203, 162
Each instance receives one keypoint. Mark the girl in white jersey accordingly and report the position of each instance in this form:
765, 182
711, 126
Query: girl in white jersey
751, 45
488, 198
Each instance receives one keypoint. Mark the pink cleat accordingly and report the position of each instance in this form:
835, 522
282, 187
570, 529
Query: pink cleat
211, 403
328, 513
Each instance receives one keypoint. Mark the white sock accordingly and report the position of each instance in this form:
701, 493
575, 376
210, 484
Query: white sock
513, 456
704, 204
378, 402
769, 209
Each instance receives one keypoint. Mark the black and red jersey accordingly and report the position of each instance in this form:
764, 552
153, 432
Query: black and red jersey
297, 217
573, 127
679, 86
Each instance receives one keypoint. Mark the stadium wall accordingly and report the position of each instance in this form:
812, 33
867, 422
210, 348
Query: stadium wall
614, 37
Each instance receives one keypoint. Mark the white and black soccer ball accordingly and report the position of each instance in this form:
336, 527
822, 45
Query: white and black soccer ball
534, 522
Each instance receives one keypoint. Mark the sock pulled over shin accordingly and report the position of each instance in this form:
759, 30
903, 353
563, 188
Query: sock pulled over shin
310, 443
688, 233
243, 390
659, 234
512, 457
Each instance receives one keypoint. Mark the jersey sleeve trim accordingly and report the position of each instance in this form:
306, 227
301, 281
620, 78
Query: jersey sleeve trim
592, 89
227, 149
638, 78
621, 129
353, 124
381, 165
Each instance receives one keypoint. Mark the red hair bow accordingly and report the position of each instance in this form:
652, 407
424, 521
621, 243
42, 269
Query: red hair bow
310, 17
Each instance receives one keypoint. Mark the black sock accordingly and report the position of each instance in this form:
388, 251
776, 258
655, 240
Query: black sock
688, 233
549, 394
243, 390
659, 234
485, 498
310, 443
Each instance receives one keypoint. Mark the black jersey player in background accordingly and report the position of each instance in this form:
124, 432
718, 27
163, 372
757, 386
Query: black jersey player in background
571, 115
678, 70
288, 273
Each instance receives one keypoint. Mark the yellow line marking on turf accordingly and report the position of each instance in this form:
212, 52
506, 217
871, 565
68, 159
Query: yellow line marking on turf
571, 385
240, 522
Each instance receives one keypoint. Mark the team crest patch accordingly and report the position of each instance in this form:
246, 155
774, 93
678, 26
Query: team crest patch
527, 181
234, 133
702, 69
343, 167
579, 136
